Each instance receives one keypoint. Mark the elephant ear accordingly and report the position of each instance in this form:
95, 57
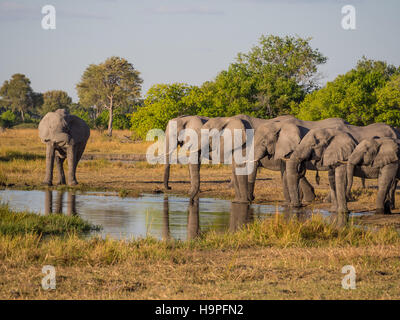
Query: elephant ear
387, 153
288, 139
44, 128
77, 128
238, 138
338, 150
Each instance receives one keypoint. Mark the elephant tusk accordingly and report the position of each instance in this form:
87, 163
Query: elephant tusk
248, 161
343, 162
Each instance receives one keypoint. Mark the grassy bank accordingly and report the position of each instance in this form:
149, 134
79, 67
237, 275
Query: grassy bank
276, 258
21, 223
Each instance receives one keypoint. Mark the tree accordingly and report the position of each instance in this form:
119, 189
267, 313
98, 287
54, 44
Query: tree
17, 94
55, 99
113, 83
267, 80
388, 102
163, 102
352, 96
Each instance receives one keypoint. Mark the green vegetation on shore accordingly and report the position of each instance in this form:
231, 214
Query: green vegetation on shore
21, 223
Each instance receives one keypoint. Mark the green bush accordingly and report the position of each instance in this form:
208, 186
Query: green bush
8, 119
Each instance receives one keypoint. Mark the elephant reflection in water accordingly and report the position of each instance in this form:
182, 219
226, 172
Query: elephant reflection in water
193, 224
338, 220
241, 214
48, 203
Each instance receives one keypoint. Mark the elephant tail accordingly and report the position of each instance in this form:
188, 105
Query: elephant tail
317, 178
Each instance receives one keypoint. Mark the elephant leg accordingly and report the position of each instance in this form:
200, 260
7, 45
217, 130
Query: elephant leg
393, 194
194, 171
71, 156
332, 189
340, 184
286, 194
307, 190
50, 154
240, 184
386, 179
60, 169
252, 181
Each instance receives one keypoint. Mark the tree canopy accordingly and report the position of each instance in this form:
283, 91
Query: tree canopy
266, 81
55, 99
359, 96
162, 103
113, 83
17, 94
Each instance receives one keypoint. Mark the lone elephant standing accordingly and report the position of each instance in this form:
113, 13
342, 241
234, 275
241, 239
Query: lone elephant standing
65, 136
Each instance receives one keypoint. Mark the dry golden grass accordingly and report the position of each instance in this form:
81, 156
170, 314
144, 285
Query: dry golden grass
27, 141
216, 269
120, 270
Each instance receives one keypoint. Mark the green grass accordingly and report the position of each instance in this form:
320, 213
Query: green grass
20, 223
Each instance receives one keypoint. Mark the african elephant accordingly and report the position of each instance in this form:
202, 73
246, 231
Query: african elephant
243, 122
277, 140
357, 133
230, 133
377, 158
65, 136
326, 150
175, 129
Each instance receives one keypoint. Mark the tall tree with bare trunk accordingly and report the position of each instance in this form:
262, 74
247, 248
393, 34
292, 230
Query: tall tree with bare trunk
109, 85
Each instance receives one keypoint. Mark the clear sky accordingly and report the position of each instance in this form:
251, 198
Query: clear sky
183, 40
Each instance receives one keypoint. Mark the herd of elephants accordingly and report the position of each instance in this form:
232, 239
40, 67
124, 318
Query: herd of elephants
284, 144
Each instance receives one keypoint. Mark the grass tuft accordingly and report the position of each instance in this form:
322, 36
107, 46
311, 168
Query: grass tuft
17, 223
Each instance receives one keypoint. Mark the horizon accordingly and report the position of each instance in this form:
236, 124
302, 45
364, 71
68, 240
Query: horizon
183, 41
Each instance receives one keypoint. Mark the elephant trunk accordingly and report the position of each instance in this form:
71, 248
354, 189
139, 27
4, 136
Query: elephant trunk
61, 139
293, 182
350, 174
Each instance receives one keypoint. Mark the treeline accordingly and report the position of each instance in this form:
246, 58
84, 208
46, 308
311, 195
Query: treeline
277, 76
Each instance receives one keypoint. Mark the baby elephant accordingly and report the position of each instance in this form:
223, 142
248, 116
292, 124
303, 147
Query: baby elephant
377, 158
65, 136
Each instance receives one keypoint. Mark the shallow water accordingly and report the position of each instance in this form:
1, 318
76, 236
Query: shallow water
160, 216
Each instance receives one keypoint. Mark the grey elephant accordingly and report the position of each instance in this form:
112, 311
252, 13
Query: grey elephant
377, 158
277, 140
65, 136
217, 128
175, 136
241, 183
328, 149
325, 150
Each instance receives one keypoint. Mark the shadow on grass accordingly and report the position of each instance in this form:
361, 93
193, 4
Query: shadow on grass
16, 155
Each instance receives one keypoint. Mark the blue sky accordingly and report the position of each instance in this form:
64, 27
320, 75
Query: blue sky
183, 40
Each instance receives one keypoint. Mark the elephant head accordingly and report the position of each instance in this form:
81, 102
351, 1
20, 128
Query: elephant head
174, 130
374, 152
327, 147
277, 140
54, 127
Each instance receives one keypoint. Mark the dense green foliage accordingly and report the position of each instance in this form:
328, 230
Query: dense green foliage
266, 81
7, 119
163, 102
55, 99
366, 94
